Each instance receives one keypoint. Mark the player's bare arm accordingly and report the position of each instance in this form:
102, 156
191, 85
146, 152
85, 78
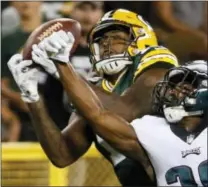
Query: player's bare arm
108, 125
62, 148
56, 144
127, 105
140, 94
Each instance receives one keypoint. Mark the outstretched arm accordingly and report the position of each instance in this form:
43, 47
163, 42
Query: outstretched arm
62, 148
138, 94
108, 125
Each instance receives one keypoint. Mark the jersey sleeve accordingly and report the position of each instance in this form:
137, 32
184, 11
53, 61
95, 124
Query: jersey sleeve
155, 57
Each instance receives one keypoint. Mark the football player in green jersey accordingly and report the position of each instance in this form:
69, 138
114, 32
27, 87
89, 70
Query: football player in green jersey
125, 53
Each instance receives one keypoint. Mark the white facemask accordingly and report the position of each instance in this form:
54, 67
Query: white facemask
113, 65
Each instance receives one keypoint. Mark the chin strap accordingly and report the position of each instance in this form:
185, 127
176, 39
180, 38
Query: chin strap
112, 65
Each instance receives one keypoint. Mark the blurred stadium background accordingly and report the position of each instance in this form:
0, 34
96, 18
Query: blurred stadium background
25, 164
183, 29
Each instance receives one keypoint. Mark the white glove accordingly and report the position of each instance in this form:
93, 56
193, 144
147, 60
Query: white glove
25, 77
40, 57
58, 45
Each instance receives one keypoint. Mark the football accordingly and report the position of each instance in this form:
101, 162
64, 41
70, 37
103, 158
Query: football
46, 29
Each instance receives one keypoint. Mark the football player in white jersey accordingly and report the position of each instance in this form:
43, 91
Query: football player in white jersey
174, 138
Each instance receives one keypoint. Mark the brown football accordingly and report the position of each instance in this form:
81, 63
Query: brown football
46, 29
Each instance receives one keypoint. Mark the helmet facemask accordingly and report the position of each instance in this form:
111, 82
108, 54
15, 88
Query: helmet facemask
104, 57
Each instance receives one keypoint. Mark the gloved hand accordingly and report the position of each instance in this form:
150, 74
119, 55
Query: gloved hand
40, 57
58, 46
26, 77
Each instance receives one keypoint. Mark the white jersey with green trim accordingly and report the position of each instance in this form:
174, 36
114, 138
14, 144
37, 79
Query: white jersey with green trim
179, 159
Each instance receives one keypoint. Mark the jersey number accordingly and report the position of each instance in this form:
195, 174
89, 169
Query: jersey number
185, 175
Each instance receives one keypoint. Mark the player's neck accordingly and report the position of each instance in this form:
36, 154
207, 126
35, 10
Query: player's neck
190, 123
